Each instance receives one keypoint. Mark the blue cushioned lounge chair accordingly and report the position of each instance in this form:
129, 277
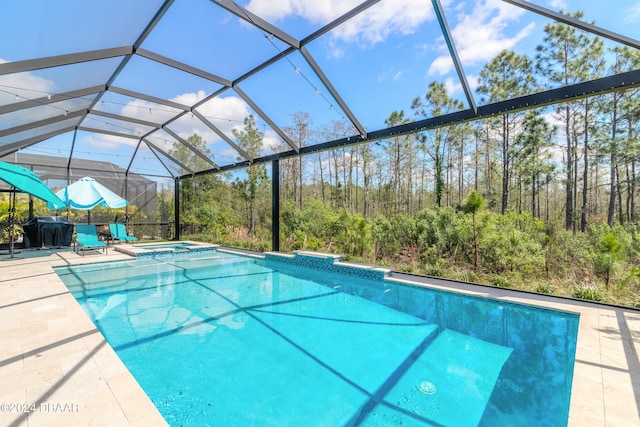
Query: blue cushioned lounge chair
119, 232
87, 238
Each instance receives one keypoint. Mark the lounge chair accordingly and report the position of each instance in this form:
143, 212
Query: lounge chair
119, 232
87, 238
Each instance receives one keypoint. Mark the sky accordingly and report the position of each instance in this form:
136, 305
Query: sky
378, 61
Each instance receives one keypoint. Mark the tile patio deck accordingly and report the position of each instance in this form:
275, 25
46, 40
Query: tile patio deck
53, 357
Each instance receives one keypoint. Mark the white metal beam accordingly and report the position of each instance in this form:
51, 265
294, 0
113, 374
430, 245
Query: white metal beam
266, 118
108, 132
254, 19
24, 143
182, 67
54, 97
145, 97
332, 90
44, 122
221, 134
125, 118
590, 28
68, 59
153, 146
191, 147
446, 32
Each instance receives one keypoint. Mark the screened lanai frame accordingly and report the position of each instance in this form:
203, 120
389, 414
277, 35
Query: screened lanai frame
79, 110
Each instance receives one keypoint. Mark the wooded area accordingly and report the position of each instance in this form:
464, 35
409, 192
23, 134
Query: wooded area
543, 200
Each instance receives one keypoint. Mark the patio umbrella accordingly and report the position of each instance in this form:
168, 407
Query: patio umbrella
87, 193
25, 181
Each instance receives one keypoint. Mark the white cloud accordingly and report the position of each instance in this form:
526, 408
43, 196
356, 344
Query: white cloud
372, 26
474, 81
189, 98
632, 13
149, 111
315, 11
559, 5
398, 75
452, 85
26, 85
226, 113
479, 35
108, 142
392, 74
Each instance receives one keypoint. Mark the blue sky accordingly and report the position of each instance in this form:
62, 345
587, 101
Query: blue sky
379, 62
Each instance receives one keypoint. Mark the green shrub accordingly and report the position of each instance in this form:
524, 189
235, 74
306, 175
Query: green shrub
436, 269
543, 288
466, 276
499, 281
405, 268
587, 292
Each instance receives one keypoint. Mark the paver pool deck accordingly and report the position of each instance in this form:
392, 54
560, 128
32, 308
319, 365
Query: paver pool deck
53, 358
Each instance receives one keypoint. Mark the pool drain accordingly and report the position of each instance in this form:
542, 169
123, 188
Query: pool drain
427, 387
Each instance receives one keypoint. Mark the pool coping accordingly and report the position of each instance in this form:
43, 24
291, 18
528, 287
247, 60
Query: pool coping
137, 249
52, 353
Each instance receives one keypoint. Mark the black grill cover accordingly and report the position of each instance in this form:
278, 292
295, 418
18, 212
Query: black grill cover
48, 231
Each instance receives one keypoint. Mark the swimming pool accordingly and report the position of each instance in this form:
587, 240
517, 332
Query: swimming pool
224, 340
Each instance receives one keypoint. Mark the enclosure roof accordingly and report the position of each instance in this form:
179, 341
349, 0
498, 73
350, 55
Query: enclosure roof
128, 83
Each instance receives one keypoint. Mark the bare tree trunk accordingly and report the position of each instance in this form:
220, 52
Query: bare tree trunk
534, 181
585, 172
632, 190
476, 162
628, 185
569, 184
410, 181
321, 176
620, 206
519, 209
336, 171
596, 189
461, 172
487, 153
300, 182
546, 205
423, 171
505, 163
614, 161
357, 175
629, 166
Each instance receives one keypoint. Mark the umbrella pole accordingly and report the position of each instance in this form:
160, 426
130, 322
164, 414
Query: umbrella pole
11, 220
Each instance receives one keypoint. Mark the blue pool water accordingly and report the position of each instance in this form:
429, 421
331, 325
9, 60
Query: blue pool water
226, 340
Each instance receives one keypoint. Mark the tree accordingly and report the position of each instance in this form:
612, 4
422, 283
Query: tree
568, 57
610, 254
625, 152
300, 134
250, 140
397, 150
508, 75
436, 103
472, 205
196, 191
533, 158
